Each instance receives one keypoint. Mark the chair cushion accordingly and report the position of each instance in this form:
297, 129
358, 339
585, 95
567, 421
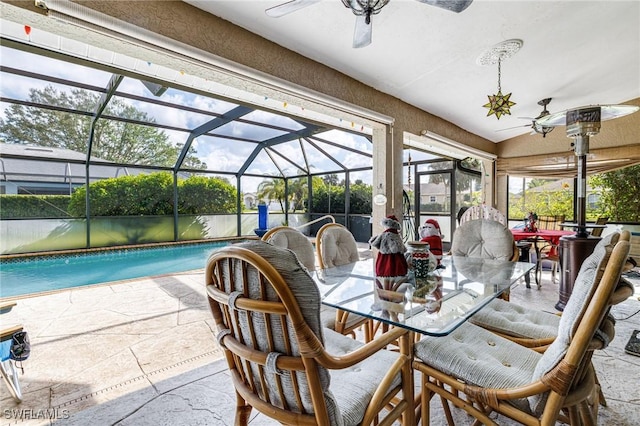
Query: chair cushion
483, 238
338, 247
480, 358
297, 242
518, 321
328, 318
586, 282
352, 388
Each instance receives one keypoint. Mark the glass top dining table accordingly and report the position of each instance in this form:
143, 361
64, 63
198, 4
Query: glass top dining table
457, 291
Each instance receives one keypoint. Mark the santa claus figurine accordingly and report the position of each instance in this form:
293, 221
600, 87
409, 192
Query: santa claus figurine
390, 261
430, 233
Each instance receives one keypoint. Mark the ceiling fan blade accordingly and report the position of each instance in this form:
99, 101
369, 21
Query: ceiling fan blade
456, 6
511, 128
362, 32
288, 7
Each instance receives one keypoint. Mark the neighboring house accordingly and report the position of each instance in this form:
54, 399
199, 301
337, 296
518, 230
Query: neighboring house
593, 196
250, 200
433, 193
49, 171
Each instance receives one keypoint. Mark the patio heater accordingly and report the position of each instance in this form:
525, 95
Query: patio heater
582, 123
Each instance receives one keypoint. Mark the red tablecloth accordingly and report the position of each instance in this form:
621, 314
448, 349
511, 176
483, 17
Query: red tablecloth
552, 236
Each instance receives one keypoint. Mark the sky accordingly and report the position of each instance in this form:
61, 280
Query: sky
218, 153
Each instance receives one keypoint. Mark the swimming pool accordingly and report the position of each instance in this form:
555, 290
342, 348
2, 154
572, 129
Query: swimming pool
36, 274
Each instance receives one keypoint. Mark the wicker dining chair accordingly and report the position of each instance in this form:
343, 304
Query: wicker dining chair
547, 251
495, 374
487, 239
531, 327
336, 246
482, 212
538, 329
597, 232
282, 361
335, 319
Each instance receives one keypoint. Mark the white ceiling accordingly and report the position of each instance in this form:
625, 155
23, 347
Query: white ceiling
576, 52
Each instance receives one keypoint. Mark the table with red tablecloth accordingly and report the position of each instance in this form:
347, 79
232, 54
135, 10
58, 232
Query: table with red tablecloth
551, 236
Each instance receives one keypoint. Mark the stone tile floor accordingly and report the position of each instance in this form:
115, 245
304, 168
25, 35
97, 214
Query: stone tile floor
143, 353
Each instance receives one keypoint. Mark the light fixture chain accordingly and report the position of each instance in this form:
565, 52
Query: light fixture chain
499, 74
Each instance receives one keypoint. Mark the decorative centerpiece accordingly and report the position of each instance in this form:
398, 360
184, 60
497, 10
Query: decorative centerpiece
530, 224
422, 264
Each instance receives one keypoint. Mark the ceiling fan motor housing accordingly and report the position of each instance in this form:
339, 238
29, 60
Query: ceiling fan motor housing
582, 123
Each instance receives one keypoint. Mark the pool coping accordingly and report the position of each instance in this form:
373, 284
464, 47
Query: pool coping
7, 258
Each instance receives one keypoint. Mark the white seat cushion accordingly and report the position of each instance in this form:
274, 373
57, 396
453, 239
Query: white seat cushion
480, 358
517, 321
328, 318
352, 388
483, 238
297, 242
586, 282
338, 247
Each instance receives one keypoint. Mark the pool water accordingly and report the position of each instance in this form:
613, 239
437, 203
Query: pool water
56, 272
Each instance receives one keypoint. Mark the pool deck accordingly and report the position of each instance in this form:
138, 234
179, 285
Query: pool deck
143, 352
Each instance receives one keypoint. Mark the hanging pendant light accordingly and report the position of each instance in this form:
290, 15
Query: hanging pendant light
499, 104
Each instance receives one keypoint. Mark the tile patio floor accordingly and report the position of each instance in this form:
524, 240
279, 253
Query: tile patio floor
143, 353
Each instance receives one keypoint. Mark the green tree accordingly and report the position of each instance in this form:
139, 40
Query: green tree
361, 196
619, 193
534, 183
114, 140
298, 194
544, 202
441, 178
331, 198
272, 189
331, 179
126, 196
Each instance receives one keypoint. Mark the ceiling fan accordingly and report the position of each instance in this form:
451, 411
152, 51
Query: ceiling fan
535, 126
363, 9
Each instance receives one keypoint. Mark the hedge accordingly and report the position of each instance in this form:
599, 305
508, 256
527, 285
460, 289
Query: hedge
152, 194
33, 206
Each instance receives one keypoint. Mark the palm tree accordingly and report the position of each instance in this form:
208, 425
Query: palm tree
297, 193
272, 189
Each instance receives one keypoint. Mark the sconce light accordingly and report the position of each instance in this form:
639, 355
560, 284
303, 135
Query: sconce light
380, 199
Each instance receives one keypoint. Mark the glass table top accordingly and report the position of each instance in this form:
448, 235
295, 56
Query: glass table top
454, 293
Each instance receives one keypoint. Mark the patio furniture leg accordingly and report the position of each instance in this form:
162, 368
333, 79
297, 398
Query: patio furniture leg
10, 377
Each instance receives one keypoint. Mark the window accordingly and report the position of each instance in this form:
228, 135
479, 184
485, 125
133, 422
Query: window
541, 196
593, 201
